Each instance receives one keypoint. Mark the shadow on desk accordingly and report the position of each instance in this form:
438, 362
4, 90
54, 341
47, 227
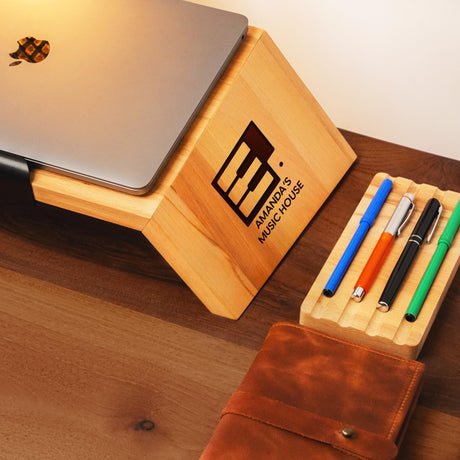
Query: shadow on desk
99, 334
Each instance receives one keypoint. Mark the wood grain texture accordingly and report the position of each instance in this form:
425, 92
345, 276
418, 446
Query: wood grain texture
88, 274
80, 375
223, 259
430, 435
361, 322
118, 265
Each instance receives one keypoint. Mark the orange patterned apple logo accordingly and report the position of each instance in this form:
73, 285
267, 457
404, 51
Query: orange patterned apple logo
31, 50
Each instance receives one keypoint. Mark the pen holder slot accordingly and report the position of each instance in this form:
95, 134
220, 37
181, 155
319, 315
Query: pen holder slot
361, 322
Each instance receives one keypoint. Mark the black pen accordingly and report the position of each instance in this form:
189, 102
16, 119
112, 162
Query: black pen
431, 212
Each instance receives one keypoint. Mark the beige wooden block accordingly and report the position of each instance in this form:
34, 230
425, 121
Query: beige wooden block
254, 168
361, 322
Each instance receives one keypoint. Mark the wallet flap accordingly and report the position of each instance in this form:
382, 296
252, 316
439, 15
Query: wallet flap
335, 378
358, 442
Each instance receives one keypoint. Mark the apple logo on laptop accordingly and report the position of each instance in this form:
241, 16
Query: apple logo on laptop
30, 50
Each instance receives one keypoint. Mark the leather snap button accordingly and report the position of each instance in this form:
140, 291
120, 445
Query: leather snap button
348, 432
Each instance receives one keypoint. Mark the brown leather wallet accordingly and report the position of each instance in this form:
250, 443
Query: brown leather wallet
309, 395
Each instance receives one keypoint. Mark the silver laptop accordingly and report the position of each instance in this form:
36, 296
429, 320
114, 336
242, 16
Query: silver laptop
105, 89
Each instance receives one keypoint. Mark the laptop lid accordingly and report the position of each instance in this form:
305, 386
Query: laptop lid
111, 86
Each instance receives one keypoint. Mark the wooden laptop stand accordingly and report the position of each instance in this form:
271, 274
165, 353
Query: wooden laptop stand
254, 168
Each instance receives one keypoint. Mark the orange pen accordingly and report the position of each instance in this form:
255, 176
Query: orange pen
393, 229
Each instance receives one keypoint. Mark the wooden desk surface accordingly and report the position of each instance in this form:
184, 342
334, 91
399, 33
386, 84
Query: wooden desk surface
98, 333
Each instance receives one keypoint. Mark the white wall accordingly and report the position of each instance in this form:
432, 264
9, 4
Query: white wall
385, 68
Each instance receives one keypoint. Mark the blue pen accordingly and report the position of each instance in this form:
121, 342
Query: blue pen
365, 224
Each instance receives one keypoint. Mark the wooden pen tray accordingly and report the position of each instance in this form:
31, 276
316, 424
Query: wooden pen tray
342, 317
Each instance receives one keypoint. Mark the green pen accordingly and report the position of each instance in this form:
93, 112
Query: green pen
444, 244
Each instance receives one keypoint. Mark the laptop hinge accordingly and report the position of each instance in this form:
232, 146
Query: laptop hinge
15, 187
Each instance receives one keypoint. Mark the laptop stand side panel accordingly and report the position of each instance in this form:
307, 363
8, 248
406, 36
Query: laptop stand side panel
253, 169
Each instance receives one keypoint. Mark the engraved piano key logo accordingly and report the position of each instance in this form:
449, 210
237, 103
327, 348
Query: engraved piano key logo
246, 180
